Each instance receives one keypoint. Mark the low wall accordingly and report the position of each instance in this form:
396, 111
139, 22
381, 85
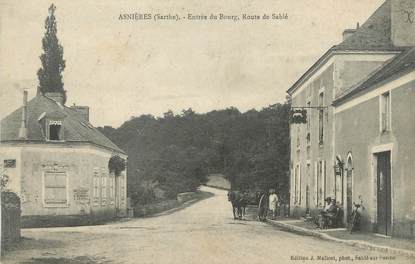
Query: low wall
154, 208
34, 221
161, 206
184, 197
217, 187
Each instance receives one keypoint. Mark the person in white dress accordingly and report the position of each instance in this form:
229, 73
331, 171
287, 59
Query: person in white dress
273, 203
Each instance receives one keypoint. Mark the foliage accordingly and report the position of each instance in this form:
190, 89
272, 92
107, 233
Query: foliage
53, 64
143, 195
116, 165
178, 151
4, 179
10, 199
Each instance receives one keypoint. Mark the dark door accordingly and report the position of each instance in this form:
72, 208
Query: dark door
384, 219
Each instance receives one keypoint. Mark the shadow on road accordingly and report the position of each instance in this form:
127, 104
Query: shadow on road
27, 243
75, 260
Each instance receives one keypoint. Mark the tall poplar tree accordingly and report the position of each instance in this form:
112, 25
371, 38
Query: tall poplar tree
53, 64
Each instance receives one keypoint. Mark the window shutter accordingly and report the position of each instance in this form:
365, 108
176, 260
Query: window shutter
316, 182
299, 184
324, 179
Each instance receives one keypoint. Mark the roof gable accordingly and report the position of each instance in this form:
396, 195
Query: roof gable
391, 69
373, 36
76, 128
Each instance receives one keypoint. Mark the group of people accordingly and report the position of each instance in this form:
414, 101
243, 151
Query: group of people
268, 202
328, 213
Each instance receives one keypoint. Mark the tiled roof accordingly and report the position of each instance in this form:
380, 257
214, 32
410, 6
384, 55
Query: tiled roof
76, 128
374, 35
391, 69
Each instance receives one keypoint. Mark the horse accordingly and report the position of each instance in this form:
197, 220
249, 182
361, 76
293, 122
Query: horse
239, 203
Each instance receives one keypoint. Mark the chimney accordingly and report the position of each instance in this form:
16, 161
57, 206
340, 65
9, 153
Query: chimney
55, 96
347, 33
83, 110
23, 126
403, 22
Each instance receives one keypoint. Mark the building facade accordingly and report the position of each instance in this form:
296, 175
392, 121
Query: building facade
336, 153
57, 162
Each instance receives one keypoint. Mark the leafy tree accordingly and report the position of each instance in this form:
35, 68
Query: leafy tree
177, 151
53, 64
116, 165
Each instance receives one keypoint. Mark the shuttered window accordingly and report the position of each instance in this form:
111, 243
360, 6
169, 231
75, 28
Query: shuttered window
55, 188
321, 182
385, 112
96, 187
122, 191
103, 186
111, 179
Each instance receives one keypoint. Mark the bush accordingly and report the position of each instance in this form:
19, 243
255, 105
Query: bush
143, 195
9, 199
116, 164
10, 218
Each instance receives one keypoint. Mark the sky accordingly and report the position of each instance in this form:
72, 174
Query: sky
124, 68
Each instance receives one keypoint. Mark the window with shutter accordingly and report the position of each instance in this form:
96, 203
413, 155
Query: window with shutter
385, 112
96, 187
55, 188
103, 187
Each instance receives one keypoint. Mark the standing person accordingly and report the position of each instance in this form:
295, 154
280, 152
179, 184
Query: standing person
263, 206
273, 201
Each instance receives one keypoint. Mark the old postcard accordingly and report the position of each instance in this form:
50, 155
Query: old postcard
185, 131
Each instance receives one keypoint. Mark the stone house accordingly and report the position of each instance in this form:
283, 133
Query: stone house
357, 144
57, 162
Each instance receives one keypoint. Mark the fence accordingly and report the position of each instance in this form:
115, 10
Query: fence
10, 218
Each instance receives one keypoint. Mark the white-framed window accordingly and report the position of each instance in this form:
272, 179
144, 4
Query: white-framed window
54, 130
103, 186
321, 118
308, 133
122, 188
385, 113
111, 183
321, 182
55, 189
297, 184
96, 186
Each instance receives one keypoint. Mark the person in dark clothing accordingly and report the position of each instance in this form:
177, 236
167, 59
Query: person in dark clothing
328, 212
263, 207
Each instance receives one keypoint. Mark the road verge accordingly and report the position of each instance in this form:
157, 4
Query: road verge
285, 225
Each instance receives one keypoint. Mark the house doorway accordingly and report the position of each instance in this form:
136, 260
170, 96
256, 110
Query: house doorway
384, 195
349, 188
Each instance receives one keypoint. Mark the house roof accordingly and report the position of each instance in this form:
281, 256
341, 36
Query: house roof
373, 36
388, 71
76, 127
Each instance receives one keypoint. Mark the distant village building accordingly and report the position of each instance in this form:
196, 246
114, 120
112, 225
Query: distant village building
57, 162
359, 144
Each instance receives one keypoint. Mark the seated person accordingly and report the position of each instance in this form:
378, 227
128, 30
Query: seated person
329, 211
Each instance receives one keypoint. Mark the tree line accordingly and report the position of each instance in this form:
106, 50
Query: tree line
176, 152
